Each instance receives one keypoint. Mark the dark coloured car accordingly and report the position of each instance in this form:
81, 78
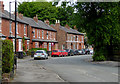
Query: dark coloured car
87, 51
76, 52
70, 52
81, 51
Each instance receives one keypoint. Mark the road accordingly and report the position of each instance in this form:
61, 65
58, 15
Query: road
76, 69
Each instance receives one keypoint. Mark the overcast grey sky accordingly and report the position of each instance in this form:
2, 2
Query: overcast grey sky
6, 3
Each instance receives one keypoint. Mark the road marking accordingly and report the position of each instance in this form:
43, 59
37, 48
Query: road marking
115, 74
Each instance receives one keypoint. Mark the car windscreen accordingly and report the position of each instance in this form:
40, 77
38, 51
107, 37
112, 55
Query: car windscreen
55, 50
39, 51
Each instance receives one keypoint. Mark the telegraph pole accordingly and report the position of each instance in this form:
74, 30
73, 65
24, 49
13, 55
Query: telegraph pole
15, 24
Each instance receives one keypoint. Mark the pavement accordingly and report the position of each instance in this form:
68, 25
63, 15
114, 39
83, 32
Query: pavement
28, 71
107, 63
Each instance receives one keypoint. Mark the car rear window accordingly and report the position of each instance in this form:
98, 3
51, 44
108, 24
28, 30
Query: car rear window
55, 50
67, 50
39, 51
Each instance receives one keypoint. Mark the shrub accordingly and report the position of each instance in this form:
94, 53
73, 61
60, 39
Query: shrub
7, 56
98, 57
35, 49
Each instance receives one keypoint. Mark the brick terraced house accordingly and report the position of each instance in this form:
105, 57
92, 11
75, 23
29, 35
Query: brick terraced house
7, 29
38, 34
41, 34
67, 37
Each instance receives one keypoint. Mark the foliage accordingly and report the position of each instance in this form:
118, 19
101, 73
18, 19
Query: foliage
101, 23
23, 42
7, 56
35, 49
44, 10
48, 10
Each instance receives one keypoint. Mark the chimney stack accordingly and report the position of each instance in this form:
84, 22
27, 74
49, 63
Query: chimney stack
35, 19
1, 6
66, 26
75, 27
47, 22
20, 16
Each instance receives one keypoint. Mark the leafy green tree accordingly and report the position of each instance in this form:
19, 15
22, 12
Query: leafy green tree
101, 23
44, 10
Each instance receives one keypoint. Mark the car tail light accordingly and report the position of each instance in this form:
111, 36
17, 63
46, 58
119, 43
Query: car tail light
42, 53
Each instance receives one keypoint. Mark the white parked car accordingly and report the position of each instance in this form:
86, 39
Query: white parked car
91, 51
41, 54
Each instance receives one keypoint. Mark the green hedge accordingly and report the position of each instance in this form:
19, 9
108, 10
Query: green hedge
7, 56
35, 49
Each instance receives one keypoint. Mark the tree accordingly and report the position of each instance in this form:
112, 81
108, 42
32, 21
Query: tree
44, 10
101, 23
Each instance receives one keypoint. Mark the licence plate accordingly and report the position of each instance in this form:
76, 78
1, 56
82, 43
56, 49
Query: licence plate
38, 56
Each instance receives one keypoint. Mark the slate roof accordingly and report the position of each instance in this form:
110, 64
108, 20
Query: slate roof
72, 31
45, 26
40, 24
31, 22
13, 17
2, 15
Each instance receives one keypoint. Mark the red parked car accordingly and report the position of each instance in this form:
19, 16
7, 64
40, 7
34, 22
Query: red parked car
64, 53
56, 53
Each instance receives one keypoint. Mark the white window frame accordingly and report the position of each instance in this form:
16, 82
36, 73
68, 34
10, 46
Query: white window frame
82, 39
17, 27
42, 34
14, 45
24, 29
34, 33
11, 27
20, 44
0, 24
28, 45
77, 38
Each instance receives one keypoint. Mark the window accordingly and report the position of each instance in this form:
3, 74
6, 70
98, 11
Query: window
49, 46
13, 44
42, 34
24, 29
20, 45
39, 33
10, 26
47, 34
36, 45
74, 38
82, 39
27, 44
71, 38
0, 24
77, 38
17, 27
34, 33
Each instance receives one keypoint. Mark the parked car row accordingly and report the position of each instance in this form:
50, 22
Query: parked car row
61, 53
70, 52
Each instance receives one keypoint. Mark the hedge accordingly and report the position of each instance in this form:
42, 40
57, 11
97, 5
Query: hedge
7, 56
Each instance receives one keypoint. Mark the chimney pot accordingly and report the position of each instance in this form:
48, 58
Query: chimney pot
66, 26
75, 27
1, 6
35, 19
47, 22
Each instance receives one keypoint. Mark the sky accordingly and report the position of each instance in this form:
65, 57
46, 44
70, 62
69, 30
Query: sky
6, 3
